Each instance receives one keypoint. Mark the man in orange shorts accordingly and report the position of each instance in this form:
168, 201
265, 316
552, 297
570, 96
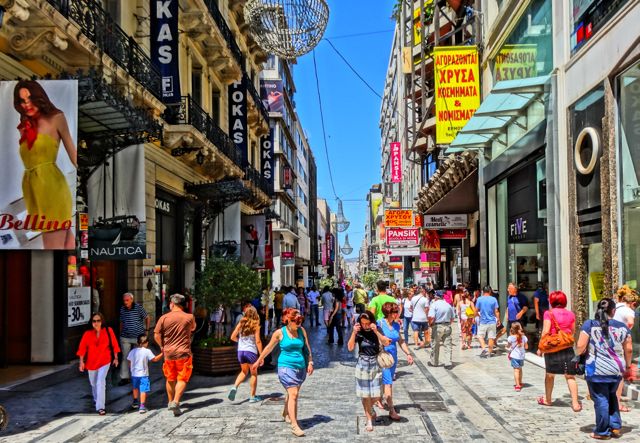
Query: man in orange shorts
173, 335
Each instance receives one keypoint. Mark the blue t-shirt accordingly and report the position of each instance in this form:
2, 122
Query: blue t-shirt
605, 362
543, 300
487, 305
392, 332
515, 305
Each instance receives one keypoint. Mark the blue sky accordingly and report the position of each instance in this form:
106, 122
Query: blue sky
351, 110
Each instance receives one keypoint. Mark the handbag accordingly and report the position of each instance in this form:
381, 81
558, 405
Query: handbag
385, 360
550, 343
579, 362
470, 312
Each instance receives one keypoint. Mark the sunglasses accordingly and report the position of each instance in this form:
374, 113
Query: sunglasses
96, 321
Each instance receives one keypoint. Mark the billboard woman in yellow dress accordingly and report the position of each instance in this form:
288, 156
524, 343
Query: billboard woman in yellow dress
44, 187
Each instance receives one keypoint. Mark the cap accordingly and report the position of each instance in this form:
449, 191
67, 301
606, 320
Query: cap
439, 293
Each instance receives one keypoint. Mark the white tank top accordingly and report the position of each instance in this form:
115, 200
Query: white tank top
247, 343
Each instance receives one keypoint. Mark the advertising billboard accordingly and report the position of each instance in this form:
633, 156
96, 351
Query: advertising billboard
446, 221
164, 46
238, 129
430, 251
396, 163
38, 170
271, 95
268, 159
403, 237
457, 91
398, 218
255, 238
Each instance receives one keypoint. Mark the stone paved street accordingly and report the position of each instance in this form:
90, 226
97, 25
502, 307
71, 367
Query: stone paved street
474, 401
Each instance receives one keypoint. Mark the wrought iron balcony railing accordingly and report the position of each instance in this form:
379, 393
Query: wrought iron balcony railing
212, 5
255, 95
101, 29
188, 112
251, 174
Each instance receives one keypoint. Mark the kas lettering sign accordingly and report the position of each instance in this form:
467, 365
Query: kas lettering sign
238, 118
403, 237
164, 46
396, 163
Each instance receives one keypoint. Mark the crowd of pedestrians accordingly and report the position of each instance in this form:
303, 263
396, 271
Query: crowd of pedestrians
377, 324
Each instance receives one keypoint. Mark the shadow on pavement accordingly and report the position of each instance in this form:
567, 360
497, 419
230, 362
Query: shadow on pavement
307, 423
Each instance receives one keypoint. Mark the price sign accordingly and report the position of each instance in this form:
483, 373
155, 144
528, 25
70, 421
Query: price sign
79, 306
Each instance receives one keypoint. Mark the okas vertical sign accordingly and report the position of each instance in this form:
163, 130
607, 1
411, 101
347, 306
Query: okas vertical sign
457, 89
266, 148
238, 118
396, 163
164, 46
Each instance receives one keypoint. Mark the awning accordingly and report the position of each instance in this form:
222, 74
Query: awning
508, 100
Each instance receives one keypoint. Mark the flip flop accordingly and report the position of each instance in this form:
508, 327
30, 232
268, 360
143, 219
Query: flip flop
542, 402
624, 408
600, 437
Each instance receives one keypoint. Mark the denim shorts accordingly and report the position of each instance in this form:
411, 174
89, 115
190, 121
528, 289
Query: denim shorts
517, 364
247, 357
141, 383
419, 325
290, 377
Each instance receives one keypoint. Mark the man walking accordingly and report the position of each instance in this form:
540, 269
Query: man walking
376, 302
173, 335
313, 297
290, 299
327, 304
360, 299
517, 307
489, 312
441, 316
134, 322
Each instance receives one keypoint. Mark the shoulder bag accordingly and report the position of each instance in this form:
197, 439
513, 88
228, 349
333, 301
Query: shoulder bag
550, 343
385, 359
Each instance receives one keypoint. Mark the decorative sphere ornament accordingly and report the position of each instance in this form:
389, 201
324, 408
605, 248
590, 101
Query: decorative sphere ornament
287, 28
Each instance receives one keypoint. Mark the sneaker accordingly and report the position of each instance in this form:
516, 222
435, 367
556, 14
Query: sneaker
177, 412
232, 394
518, 388
135, 404
484, 353
171, 406
142, 409
255, 399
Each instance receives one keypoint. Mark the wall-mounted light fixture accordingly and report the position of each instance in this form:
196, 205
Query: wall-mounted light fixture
179, 152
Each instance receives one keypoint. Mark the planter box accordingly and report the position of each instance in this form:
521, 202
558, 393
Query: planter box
216, 361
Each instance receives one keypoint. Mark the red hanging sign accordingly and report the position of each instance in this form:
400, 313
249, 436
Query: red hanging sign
396, 163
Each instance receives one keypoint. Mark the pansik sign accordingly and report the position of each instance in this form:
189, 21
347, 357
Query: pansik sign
164, 46
396, 163
403, 237
238, 118
457, 89
78, 306
446, 221
38, 134
398, 218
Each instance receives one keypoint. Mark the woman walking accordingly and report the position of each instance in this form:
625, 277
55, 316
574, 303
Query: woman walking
335, 318
609, 346
390, 328
466, 316
97, 351
247, 334
559, 362
368, 386
407, 311
295, 362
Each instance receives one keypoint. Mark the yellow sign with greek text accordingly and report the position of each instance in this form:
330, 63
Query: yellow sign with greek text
515, 62
596, 285
457, 89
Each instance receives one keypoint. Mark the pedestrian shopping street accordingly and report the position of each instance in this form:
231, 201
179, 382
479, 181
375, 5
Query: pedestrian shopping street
473, 401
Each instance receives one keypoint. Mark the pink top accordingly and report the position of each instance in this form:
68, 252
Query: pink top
564, 317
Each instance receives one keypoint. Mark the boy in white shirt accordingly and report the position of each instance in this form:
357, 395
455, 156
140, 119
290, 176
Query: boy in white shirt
139, 364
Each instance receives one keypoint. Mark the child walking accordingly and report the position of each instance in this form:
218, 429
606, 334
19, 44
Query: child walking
247, 334
517, 343
139, 359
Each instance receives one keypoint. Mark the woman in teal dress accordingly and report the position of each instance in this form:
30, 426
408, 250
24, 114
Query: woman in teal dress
294, 363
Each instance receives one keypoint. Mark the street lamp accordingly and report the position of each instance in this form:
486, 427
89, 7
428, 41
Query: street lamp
341, 223
287, 28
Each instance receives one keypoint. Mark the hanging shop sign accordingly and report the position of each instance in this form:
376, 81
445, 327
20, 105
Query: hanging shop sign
268, 246
37, 171
83, 217
403, 252
446, 221
515, 62
396, 162
403, 237
78, 306
287, 177
418, 221
238, 130
288, 258
266, 148
117, 207
419, 24
398, 218
453, 234
430, 254
164, 46
271, 93
457, 89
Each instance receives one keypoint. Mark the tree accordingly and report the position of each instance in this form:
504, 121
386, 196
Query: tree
225, 282
370, 278
327, 281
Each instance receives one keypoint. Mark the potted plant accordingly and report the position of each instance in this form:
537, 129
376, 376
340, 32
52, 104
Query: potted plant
222, 282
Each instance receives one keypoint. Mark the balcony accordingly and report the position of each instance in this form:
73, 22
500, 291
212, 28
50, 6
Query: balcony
96, 24
261, 189
187, 116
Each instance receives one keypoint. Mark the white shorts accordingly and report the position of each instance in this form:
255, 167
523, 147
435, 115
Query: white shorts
327, 314
487, 331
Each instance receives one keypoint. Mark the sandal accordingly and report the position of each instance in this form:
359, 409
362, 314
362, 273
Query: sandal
624, 408
518, 388
102, 412
369, 426
600, 437
542, 402
295, 430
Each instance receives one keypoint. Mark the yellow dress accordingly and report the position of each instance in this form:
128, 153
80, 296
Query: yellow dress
45, 190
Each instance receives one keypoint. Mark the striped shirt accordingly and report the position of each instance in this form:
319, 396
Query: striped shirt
132, 321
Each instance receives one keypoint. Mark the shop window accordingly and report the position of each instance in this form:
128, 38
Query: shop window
528, 50
590, 16
629, 104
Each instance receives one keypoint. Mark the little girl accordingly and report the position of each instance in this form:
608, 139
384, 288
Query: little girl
517, 343
247, 334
